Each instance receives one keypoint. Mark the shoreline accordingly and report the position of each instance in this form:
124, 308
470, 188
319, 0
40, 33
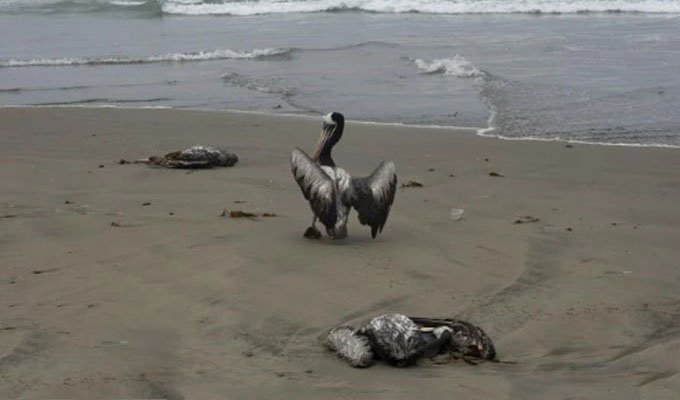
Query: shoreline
480, 132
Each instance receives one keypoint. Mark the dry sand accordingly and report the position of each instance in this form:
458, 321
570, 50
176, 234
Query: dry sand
177, 302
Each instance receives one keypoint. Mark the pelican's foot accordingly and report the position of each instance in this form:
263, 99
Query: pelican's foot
312, 233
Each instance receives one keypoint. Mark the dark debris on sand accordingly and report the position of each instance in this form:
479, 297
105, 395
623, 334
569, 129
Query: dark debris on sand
526, 219
44, 271
245, 214
496, 174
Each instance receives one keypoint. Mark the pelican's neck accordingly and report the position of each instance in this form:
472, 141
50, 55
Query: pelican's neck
325, 157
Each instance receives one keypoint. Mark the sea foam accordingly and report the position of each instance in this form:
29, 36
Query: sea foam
229, 7
127, 3
256, 7
220, 54
457, 66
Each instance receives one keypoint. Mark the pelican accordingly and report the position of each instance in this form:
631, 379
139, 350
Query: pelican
401, 341
195, 157
332, 192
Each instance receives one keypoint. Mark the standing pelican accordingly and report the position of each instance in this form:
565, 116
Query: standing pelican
332, 192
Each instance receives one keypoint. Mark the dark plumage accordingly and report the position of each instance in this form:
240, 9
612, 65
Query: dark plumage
400, 340
467, 340
371, 208
332, 192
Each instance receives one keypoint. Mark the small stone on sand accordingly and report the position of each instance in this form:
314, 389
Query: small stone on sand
411, 184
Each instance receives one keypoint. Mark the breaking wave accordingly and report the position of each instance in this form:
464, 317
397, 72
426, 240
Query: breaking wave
164, 58
255, 7
457, 66
127, 3
232, 7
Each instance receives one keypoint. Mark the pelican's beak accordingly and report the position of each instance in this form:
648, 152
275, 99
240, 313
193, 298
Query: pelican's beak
326, 133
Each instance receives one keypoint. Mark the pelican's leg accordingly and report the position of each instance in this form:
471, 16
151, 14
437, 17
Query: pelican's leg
312, 232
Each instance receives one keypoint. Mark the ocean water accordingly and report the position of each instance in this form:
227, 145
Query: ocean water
600, 71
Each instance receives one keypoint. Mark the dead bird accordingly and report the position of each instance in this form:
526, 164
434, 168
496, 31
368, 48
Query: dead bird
400, 340
195, 157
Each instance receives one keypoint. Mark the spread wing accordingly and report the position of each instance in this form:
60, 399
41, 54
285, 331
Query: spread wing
317, 187
373, 196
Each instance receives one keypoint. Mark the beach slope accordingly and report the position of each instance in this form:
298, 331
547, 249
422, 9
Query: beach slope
125, 281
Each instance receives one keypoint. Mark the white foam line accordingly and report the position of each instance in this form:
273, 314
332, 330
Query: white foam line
575, 141
203, 55
481, 132
103, 105
422, 6
487, 133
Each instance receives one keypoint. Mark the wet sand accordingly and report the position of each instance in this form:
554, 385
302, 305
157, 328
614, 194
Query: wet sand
102, 296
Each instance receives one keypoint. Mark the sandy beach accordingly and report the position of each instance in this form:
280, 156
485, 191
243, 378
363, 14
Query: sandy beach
124, 281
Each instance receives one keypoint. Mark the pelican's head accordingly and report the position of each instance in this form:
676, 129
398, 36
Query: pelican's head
333, 125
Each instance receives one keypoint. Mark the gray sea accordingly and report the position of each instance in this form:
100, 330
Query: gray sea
601, 71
